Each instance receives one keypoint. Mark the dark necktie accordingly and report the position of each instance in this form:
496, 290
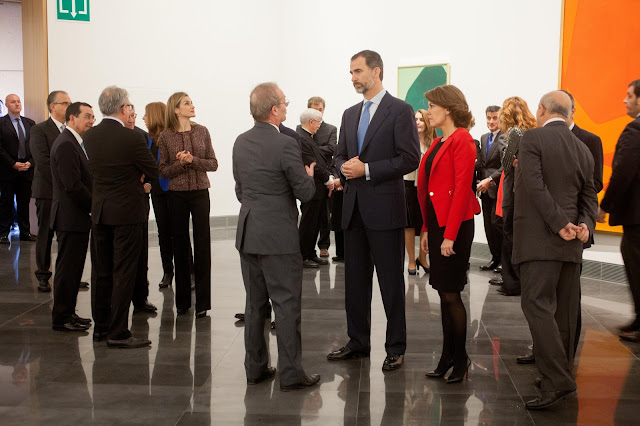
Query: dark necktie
22, 147
489, 142
364, 125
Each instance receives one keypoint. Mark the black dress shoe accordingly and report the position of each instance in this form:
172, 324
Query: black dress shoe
70, 326
239, 317
498, 270
99, 336
129, 343
392, 362
441, 370
548, 399
4, 240
84, 284
306, 382
506, 292
44, 286
146, 307
201, 314
81, 320
630, 336
633, 326
273, 325
526, 359
27, 237
308, 263
490, 266
166, 281
419, 265
496, 281
320, 261
338, 259
346, 353
267, 374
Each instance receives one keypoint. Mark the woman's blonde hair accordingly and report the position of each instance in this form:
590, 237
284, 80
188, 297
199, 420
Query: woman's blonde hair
156, 113
429, 132
515, 113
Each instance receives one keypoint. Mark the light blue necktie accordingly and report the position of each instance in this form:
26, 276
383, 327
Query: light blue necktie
364, 125
83, 148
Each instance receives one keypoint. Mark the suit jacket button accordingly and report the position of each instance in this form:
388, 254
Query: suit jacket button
431, 194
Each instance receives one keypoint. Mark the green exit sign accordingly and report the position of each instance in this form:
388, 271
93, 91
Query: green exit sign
73, 10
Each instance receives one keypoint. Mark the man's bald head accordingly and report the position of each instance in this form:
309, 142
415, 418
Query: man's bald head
556, 104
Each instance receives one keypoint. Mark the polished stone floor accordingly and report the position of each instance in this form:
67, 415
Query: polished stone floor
193, 373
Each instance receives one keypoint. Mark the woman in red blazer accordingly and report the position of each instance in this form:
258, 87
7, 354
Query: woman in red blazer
448, 205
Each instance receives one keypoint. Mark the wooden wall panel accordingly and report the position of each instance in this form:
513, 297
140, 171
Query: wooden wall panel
36, 60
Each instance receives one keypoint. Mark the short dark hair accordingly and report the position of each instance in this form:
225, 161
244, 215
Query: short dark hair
636, 87
74, 109
573, 102
371, 58
492, 108
52, 97
450, 97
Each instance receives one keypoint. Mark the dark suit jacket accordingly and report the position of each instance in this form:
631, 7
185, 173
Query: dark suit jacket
71, 183
310, 154
553, 186
326, 139
622, 199
117, 158
269, 175
491, 165
593, 142
9, 145
291, 133
43, 135
392, 149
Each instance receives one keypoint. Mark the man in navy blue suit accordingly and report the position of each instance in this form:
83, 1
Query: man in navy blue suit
378, 145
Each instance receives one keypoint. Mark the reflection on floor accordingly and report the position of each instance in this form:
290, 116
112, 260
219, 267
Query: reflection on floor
193, 373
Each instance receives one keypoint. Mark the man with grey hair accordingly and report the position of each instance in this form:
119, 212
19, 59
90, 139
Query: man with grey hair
310, 121
118, 157
555, 207
269, 176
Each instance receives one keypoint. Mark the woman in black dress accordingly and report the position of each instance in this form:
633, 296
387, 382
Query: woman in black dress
448, 205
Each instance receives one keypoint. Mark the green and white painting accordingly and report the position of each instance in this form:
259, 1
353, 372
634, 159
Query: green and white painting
413, 81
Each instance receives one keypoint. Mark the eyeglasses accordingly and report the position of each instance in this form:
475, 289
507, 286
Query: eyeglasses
286, 102
128, 105
134, 115
62, 103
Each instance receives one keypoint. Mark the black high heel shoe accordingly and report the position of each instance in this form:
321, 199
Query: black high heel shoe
456, 377
440, 371
420, 265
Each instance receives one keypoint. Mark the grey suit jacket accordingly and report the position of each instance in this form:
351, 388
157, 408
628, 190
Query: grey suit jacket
269, 175
553, 186
491, 165
43, 135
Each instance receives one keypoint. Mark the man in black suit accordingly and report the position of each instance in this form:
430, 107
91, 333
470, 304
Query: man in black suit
310, 223
555, 205
622, 202
489, 169
141, 289
326, 138
269, 175
378, 145
70, 215
16, 172
118, 157
43, 135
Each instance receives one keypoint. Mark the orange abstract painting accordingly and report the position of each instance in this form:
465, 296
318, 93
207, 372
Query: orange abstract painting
599, 59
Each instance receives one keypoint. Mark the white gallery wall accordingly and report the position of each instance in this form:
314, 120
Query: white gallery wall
11, 71
218, 51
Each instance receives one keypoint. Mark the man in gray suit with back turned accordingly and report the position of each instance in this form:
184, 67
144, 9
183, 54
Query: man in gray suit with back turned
555, 207
270, 175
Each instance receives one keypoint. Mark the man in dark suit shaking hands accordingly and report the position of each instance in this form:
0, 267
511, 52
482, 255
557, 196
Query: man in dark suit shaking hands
555, 206
70, 215
269, 175
118, 157
378, 145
